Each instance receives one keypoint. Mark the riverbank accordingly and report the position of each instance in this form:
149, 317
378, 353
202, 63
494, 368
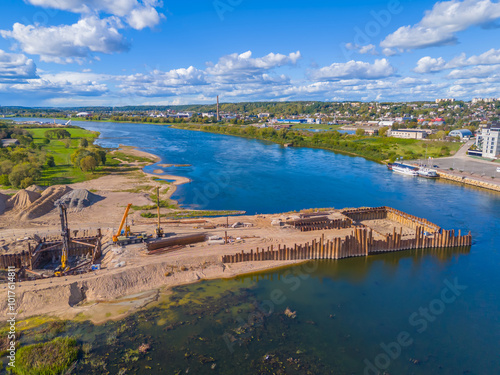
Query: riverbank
378, 149
129, 277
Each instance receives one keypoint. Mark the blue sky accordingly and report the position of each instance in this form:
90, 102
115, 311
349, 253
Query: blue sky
122, 52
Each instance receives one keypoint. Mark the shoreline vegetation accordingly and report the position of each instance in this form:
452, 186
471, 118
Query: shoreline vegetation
379, 148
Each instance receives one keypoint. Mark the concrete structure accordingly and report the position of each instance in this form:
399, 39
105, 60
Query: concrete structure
408, 133
462, 133
489, 140
10, 142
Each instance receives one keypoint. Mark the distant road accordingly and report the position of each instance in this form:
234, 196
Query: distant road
463, 150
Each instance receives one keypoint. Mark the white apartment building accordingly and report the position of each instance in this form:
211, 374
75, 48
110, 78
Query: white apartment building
490, 140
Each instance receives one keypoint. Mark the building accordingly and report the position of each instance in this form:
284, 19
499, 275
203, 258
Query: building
291, 121
484, 100
451, 100
489, 140
386, 123
462, 133
10, 142
313, 121
408, 133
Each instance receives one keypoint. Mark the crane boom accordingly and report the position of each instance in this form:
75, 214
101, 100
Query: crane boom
124, 218
63, 214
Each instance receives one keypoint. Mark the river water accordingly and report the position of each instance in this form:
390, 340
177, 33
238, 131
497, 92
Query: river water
415, 312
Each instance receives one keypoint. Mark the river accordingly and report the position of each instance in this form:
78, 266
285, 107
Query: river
416, 312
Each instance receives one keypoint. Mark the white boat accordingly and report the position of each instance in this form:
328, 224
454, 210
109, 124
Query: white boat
404, 169
427, 173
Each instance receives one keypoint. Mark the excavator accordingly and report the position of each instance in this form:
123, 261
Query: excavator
127, 237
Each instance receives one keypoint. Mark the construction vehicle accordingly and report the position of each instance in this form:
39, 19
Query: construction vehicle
127, 237
159, 231
63, 214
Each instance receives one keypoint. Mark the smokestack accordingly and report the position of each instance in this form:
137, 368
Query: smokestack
218, 116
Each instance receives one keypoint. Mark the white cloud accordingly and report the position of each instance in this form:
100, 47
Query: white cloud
354, 70
65, 44
367, 49
63, 84
235, 74
143, 17
16, 67
138, 14
431, 65
158, 82
440, 25
237, 68
389, 52
482, 72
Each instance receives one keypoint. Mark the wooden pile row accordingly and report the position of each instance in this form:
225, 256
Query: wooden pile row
321, 224
361, 243
378, 213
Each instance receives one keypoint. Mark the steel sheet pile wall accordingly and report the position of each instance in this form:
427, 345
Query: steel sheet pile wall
320, 223
389, 213
14, 260
33, 258
362, 242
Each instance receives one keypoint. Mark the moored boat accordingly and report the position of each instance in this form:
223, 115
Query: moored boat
427, 173
404, 169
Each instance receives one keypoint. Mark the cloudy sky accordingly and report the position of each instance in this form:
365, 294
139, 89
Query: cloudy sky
122, 52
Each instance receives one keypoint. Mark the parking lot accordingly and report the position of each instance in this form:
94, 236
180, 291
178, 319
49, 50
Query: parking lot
469, 165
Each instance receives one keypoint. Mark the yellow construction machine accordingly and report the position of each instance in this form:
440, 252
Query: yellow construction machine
65, 240
127, 237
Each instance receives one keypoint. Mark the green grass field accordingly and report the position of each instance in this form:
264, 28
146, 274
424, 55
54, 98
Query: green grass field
413, 148
64, 172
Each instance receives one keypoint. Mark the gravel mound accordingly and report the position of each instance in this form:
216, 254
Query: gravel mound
79, 199
35, 188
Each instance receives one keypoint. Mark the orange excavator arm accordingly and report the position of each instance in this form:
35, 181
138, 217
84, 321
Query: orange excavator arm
124, 218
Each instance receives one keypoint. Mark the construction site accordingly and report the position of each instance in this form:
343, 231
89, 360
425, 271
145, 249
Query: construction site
324, 234
83, 248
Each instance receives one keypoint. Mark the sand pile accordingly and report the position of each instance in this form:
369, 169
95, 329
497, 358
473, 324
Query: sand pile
46, 202
79, 199
22, 200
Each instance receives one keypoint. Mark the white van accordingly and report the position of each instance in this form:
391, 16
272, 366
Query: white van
498, 169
